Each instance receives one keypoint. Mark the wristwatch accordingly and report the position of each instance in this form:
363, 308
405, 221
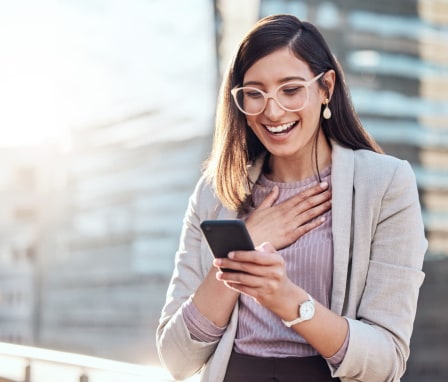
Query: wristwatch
306, 312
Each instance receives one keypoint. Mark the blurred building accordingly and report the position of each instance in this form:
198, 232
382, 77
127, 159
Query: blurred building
395, 57
132, 166
29, 181
123, 214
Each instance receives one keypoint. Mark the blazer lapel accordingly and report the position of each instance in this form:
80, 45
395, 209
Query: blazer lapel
342, 199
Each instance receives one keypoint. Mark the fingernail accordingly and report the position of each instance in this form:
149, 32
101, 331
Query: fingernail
231, 255
324, 184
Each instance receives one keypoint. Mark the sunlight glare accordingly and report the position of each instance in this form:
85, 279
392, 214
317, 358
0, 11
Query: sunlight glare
33, 68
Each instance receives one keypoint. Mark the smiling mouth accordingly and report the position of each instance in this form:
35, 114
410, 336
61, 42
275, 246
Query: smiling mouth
281, 129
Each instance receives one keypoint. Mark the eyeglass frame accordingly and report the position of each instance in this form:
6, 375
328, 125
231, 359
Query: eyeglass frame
273, 95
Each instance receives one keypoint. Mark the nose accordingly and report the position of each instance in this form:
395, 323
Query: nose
273, 110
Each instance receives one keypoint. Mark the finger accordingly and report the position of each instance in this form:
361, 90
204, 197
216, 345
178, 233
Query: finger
252, 285
266, 247
270, 199
236, 266
247, 262
238, 279
307, 227
305, 206
312, 211
243, 289
310, 192
254, 257
240, 288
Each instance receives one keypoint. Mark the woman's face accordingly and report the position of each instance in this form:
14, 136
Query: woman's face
284, 133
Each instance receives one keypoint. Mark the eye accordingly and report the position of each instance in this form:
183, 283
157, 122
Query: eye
292, 89
253, 93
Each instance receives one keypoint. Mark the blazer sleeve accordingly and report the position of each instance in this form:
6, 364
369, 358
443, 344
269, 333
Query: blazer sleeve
381, 331
178, 352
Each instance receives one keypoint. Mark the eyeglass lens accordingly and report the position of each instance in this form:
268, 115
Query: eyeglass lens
291, 96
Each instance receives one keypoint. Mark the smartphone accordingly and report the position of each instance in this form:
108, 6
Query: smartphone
224, 236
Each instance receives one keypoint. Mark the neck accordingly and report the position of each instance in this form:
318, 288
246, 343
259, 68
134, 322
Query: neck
303, 165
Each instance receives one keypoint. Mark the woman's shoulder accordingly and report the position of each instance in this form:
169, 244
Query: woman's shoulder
204, 199
382, 168
367, 159
374, 159
381, 161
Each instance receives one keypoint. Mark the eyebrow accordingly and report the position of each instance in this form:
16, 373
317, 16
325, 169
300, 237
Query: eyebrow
282, 81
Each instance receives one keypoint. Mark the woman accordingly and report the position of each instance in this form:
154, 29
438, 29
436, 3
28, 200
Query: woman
330, 293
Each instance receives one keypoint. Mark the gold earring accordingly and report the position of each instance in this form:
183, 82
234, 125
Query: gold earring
327, 112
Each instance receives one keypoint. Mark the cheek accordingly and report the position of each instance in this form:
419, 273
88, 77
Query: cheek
314, 108
250, 122
254, 128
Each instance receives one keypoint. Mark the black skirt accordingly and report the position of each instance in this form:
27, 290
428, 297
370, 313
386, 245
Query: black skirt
247, 368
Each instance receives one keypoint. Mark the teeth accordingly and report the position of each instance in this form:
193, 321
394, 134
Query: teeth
280, 128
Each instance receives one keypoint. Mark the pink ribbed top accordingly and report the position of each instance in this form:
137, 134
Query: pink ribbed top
309, 264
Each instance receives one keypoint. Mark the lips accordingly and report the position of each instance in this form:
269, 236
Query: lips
281, 129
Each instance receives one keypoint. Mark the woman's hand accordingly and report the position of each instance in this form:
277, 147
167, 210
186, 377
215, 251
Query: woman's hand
282, 224
262, 276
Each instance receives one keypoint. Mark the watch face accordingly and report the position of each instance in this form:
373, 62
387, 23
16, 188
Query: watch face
307, 310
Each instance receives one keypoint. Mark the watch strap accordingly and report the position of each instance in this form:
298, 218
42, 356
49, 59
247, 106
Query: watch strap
298, 320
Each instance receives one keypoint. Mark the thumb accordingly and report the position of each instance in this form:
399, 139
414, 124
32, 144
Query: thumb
266, 247
270, 199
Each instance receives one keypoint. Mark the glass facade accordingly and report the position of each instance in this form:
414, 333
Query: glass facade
132, 166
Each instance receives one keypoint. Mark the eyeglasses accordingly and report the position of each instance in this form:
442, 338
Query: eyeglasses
291, 96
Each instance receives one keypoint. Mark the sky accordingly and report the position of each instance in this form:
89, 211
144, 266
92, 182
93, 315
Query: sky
70, 64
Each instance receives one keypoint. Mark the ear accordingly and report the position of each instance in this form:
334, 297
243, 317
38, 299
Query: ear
329, 80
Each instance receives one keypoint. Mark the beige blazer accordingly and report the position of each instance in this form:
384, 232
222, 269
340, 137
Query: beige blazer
379, 245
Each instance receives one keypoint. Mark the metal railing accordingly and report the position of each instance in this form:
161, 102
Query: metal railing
20, 363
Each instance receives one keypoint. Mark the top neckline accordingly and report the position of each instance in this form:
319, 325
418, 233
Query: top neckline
263, 181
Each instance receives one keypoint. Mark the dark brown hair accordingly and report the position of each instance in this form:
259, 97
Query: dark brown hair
235, 146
